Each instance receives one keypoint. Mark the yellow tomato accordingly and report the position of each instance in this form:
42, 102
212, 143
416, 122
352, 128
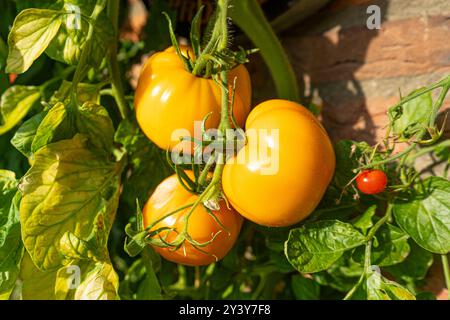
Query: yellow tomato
169, 196
169, 98
280, 176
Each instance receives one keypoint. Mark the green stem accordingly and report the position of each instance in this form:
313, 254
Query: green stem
368, 250
218, 40
421, 152
83, 66
248, 15
380, 222
205, 171
367, 256
394, 157
224, 114
446, 273
113, 65
445, 85
224, 125
260, 287
223, 24
444, 82
437, 105
355, 287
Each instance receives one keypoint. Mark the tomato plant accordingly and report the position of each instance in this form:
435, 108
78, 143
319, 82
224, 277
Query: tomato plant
82, 152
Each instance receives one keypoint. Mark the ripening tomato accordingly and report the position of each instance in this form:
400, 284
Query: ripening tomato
280, 176
371, 181
169, 196
168, 98
12, 78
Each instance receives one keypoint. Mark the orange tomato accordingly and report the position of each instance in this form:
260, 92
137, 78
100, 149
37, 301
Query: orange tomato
169, 98
169, 196
280, 176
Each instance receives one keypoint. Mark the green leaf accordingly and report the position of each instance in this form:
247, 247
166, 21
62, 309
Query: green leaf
15, 104
36, 284
86, 92
304, 288
278, 259
342, 275
150, 288
411, 117
392, 247
32, 32
70, 41
24, 136
98, 281
93, 120
316, 246
75, 248
10, 241
148, 166
80, 280
379, 288
443, 153
195, 32
140, 281
62, 123
348, 156
156, 33
426, 217
42, 4
66, 190
364, 222
414, 267
57, 125
425, 296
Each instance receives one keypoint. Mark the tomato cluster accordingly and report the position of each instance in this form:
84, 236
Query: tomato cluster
278, 187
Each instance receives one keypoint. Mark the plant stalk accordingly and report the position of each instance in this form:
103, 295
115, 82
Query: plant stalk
82, 66
368, 250
445, 266
248, 15
218, 40
113, 65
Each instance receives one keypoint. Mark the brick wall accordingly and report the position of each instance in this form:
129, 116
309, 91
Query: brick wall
358, 72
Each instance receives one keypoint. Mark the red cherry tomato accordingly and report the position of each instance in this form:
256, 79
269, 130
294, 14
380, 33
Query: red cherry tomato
12, 78
371, 181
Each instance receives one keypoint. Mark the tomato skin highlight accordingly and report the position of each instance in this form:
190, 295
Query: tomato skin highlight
168, 98
306, 163
371, 181
169, 196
